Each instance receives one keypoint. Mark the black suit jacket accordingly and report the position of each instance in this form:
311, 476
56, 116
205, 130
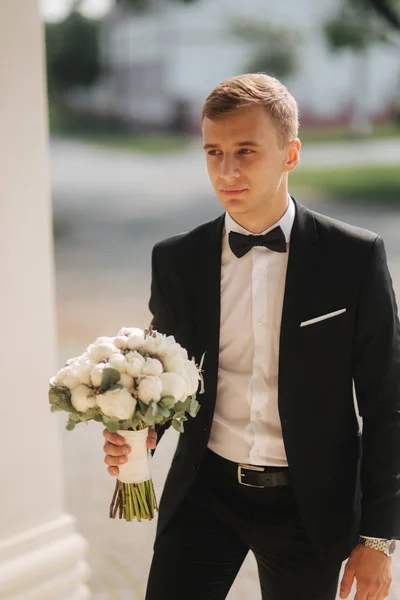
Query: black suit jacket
345, 482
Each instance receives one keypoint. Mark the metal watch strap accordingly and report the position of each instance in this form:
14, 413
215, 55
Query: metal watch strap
385, 546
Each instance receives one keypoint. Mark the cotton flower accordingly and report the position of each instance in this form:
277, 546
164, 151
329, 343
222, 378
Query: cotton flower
97, 374
126, 381
174, 363
127, 331
174, 385
102, 351
118, 362
159, 344
135, 339
149, 389
82, 398
134, 363
117, 403
71, 381
192, 377
62, 375
121, 342
82, 370
152, 366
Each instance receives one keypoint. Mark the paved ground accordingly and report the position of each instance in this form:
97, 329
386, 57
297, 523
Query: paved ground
110, 208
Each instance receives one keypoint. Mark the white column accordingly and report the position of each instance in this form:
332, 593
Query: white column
41, 554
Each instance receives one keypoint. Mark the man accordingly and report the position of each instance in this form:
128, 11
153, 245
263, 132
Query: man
291, 308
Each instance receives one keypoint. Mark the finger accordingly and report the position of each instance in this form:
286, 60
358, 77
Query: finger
113, 438
362, 594
113, 471
116, 450
114, 461
387, 590
347, 582
152, 439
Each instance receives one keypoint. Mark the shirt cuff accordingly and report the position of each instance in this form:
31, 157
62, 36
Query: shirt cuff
367, 537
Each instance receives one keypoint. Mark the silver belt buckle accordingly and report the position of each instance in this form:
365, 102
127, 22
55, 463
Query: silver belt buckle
250, 468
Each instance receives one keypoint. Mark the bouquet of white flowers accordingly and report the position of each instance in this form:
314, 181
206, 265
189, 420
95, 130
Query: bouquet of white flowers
130, 382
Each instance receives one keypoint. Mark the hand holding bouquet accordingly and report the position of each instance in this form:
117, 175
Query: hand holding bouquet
129, 382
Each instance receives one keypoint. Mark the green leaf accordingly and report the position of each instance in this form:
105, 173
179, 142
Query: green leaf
74, 418
61, 397
168, 401
143, 407
112, 424
177, 425
182, 406
55, 408
194, 407
70, 426
109, 377
149, 417
164, 410
116, 386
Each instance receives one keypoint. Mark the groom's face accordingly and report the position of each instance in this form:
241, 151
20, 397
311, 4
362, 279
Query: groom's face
246, 161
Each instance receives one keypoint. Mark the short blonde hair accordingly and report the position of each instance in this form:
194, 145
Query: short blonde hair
255, 88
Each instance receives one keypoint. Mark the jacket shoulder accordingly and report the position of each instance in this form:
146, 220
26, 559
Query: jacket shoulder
188, 239
336, 231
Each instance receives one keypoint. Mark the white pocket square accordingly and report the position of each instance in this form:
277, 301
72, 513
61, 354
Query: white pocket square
323, 317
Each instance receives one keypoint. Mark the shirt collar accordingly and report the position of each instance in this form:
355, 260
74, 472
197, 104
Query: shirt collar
285, 222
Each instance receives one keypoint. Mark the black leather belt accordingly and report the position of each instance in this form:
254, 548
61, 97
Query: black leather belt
254, 476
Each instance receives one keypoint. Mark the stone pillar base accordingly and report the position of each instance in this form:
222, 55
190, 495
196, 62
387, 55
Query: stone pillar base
45, 563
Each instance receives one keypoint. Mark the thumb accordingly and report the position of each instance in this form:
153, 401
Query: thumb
347, 581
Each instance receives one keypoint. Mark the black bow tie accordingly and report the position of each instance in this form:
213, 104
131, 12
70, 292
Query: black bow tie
240, 244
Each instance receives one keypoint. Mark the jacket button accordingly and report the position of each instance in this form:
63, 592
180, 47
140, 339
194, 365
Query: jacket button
194, 467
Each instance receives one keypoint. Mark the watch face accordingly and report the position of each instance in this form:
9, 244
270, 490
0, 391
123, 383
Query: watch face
392, 547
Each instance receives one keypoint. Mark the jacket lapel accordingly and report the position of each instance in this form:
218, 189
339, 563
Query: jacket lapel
207, 300
301, 290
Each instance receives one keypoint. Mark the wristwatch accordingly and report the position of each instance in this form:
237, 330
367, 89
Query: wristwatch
386, 546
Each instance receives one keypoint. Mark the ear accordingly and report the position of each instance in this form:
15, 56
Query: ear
293, 156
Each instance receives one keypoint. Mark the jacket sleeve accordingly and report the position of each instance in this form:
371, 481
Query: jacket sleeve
162, 318
377, 383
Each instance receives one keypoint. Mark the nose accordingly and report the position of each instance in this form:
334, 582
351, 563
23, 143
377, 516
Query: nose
229, 168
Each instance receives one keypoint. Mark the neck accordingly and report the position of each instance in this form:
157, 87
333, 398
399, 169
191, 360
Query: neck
257, 222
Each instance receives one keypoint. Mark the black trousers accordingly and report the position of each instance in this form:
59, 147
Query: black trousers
200, 552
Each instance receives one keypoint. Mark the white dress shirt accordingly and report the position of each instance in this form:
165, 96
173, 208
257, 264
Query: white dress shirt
246, 427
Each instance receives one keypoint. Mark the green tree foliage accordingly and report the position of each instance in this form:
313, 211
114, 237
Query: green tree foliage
274, 48
357, 25
72, 52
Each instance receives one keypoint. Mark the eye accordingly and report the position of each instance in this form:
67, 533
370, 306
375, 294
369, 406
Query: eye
214, 152
245, 151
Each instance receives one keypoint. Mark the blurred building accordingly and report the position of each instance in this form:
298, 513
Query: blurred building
159, 67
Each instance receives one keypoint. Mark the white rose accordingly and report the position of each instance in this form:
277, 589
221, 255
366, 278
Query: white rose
192, 377
152, 366
97, 374
174, 385
121, 342
174, 363
150, 389
126, 381
134, 363
102, 351
135, 339
117, 403
83, 398
118, 362
62, 375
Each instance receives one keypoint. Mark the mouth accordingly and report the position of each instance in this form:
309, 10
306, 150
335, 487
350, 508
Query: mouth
233, 192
